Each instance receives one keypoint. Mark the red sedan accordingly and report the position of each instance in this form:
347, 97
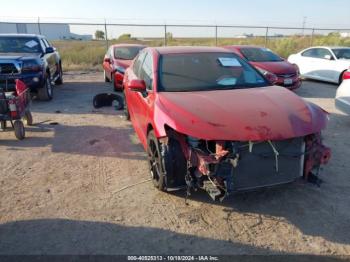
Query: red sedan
117, 59
263, 59
209, 120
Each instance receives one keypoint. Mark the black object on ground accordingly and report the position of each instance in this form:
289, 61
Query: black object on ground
104, 99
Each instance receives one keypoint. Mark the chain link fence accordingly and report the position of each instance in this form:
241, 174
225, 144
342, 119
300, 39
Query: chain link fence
84, 44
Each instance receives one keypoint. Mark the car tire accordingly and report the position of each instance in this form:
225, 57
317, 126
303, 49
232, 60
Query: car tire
3, 125
59, 80
126, 110
19, 130
115, 88
45, 93
105, 77
167, 163
155, 161
28, 118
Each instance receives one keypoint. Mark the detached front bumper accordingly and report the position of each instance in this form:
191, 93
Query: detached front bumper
32, 80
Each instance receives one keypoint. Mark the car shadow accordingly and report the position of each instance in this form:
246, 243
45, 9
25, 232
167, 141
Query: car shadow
76, 98
89, 140
73, 237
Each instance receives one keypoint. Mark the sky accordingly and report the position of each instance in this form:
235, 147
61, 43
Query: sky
315, 13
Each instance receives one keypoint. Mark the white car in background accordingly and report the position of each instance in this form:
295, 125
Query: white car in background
322, 63
342, 98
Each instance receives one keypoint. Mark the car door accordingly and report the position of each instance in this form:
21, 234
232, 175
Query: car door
306, 62
325, 64
49, 57
131, 96
144, 101
317, 63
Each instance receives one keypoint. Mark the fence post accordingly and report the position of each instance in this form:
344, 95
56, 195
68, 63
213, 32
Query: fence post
312, 36
216, 35
39, 27
106, 35
266, 36
165, 36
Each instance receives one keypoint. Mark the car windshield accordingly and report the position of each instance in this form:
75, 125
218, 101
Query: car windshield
205, 72
342, 53
127, 53
19, 45
260, 55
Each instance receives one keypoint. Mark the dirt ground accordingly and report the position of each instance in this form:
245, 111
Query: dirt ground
60, 191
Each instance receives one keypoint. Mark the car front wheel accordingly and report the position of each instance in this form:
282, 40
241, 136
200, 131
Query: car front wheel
45, 93
59, 80
105, 77
155, 161
167, 163
126, 110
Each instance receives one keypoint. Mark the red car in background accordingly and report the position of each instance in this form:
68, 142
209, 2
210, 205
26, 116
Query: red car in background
209, 120
263, 59
117, 59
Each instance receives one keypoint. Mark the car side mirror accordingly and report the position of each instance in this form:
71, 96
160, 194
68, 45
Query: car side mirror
107, 60
328, 57
49, 50
137, 85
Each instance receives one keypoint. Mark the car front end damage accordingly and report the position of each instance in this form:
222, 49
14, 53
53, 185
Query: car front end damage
225, 167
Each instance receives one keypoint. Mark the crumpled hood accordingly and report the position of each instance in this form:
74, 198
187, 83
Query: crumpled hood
255, 114
278, 68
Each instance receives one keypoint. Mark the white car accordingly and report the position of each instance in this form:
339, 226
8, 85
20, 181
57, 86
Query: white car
322, 63
342, 98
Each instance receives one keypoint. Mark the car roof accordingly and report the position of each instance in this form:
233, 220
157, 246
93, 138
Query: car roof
22, 35
243, 46
329, 47
128, 45
189, 49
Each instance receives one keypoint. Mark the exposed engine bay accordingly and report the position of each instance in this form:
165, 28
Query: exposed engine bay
224, 167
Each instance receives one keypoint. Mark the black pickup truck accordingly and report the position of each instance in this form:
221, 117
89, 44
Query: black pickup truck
32, 59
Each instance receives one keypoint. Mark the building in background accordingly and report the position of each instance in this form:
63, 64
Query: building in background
345, 34
51, 31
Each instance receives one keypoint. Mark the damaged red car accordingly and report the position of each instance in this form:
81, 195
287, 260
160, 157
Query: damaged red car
209, 120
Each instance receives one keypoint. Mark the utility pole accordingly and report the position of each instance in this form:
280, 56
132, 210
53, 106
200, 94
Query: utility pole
165, 35
39, 28
304, 23
106, 35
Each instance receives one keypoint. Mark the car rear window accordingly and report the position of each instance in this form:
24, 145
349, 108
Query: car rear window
127, 53
206, 71
260, 55
19, 45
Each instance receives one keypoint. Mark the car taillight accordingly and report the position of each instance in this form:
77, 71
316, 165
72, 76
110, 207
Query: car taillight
346, 75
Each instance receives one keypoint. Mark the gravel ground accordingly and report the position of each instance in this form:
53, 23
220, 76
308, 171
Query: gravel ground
64, 190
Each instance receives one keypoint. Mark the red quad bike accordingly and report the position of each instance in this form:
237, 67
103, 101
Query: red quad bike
14, 107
